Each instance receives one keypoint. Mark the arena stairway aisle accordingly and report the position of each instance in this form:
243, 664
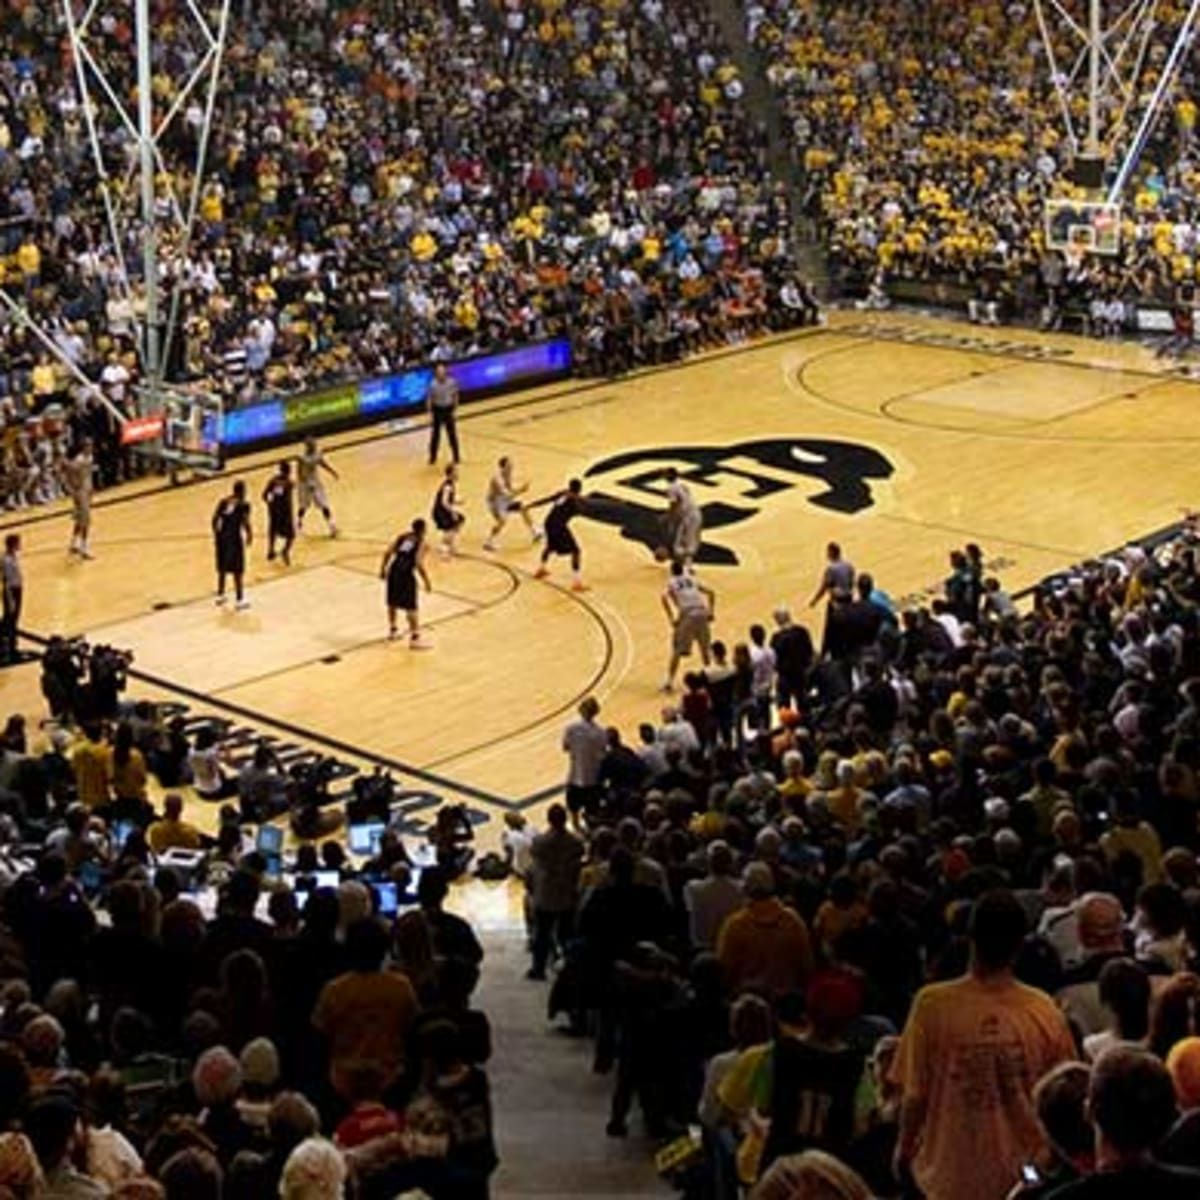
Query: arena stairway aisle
761, 100
550, 1109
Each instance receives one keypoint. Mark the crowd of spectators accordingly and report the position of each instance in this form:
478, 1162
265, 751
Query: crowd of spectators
925, 921
203, 1018
930, 138
389, 185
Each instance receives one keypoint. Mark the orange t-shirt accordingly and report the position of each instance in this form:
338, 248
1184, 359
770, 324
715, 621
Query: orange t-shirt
973, 1050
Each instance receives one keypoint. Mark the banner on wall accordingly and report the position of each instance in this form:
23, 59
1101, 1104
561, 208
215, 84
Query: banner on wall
346, 404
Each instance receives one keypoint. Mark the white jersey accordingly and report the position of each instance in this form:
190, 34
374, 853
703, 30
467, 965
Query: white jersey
500, 489
309, 467
79, 481
308, 471
681, 498
686, 593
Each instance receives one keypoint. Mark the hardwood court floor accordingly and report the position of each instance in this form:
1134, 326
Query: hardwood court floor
897, 435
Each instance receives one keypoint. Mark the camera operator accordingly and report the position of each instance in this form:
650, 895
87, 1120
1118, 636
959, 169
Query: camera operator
63, 669
107, 679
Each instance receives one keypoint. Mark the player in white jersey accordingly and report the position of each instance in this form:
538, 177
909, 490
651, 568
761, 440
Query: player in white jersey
684, 519
503, 499
690, 607
78, 474
311, 490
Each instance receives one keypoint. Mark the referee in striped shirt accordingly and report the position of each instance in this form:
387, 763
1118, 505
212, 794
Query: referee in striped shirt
442, 401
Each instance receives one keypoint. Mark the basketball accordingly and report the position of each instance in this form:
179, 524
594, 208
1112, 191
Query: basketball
661, 554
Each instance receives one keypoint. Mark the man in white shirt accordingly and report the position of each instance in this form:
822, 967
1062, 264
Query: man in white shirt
585, 743
689, 606
685, 518
762, 679
676, 736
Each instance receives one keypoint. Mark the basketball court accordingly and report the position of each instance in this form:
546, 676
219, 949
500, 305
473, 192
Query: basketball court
897, 435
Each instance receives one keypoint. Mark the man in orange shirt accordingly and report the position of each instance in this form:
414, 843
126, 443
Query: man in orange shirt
366, 1014
765, 945
968, 1061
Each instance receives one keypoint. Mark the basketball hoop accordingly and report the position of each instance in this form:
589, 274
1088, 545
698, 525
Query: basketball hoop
180, 430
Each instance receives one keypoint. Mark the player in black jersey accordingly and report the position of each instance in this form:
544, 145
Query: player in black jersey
448, 517
402, 564
231, 533
565, 507
281, 521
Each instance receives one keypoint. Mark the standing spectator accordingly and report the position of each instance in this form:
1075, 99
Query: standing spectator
556, 858
764, 946
367, 1013
709, 901
968, 1061
793, 649
762, 679
585, 744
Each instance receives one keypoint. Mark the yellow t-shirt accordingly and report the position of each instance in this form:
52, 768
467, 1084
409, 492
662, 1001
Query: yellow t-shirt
165, 834
972, 1051
90, 765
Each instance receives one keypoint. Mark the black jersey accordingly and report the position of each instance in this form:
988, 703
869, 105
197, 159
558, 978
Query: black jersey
278, 496
564, 510
404, 555
445, 515
229, 521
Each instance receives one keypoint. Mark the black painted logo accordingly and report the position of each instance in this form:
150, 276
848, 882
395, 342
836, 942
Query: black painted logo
746, 474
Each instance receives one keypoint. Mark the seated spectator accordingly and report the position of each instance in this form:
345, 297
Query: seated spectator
1124, 990
217, 1082
369, 1118
812, 1175
314, 1171
192, 1175
128, 777
261, 786
259, 1061
290, 1121
1161, 943
1181, 1146
56, 1133
205, 763
171, 831
1132, 1105
1060, 1097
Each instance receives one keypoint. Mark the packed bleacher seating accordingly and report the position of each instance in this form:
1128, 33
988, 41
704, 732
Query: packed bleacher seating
386, 187
869, 897
908, 906
762, 887
930, 137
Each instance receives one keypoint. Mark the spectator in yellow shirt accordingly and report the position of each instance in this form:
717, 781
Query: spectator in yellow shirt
171, 831
90, 765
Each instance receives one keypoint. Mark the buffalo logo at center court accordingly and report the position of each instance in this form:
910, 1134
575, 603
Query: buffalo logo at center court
730, 483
